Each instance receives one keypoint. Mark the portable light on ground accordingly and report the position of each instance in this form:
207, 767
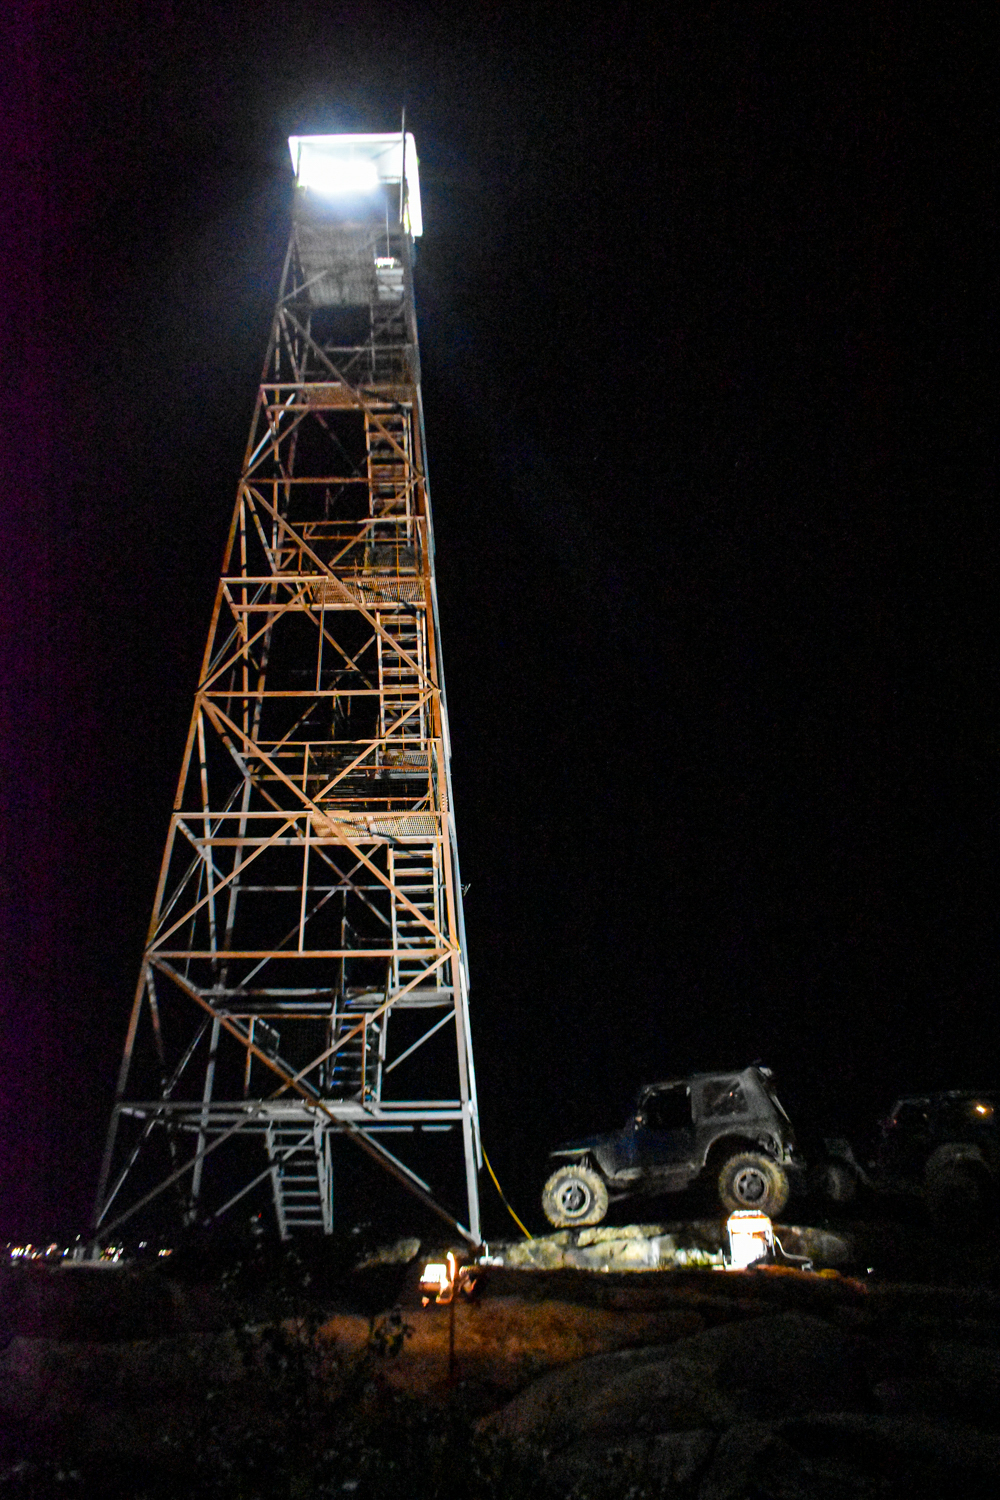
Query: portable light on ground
751, 1238
438, 1280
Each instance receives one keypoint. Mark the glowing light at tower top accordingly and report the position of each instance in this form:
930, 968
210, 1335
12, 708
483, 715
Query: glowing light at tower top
357, 166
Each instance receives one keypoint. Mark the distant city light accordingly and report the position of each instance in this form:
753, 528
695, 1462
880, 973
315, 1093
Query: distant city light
54, 1253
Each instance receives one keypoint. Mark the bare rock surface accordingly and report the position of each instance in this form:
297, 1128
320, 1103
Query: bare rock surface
679, 1382
772, 1406
780, 1366
645, 1247
502, 1342
848, 1454
665, 1464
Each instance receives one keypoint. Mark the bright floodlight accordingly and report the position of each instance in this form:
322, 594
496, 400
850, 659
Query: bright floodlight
333, 176
347, 166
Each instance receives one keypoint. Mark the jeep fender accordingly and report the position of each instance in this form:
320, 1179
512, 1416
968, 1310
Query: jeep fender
725, 1146
603, 1162
592, 1157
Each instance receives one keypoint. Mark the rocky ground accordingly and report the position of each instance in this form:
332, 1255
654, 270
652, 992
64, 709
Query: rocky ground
554, 1378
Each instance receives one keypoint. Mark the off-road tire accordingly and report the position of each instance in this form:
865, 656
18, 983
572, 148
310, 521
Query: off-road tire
838, 1182
959, 1190
753, 1180
573, 1196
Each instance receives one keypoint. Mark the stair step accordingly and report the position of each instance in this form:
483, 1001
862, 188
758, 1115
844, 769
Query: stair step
300, 1178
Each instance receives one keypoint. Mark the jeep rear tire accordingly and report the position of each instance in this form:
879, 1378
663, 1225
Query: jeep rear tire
574, 1195
753, 1180
838, 1182
958, 1190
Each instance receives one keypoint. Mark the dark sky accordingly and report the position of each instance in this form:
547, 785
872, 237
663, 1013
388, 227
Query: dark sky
707, 300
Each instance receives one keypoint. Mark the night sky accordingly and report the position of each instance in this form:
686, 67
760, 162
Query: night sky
707, 302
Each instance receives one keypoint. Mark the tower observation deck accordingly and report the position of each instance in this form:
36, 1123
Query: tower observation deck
304, 988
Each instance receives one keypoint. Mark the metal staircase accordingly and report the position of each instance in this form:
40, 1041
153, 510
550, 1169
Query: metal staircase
390, 489
301, 1177
354, 1069
401, 688
414, 873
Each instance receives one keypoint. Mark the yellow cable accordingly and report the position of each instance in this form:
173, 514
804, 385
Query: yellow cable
526, 1232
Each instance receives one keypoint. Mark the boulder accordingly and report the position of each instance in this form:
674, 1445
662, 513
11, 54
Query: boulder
907, 1456
400, 1253
773, 1367
602, 1233
753, 1458
762, 1369
664, 1464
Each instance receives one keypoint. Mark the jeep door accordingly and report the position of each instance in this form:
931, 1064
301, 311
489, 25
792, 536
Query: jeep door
664, 1137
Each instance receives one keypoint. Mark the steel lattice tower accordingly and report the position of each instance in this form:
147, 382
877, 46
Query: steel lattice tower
304, 978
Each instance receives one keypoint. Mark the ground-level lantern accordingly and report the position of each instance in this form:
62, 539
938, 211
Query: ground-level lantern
303, 993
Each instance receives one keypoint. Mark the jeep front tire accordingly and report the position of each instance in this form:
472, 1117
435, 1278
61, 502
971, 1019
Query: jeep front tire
574, 1195
752, 1180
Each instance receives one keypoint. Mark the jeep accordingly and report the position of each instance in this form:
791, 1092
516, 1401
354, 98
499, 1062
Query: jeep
726, 1126
943, 1147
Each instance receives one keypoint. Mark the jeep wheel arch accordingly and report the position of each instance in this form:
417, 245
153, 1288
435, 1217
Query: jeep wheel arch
724, 1147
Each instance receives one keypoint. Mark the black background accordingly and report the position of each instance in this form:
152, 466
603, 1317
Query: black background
707, 308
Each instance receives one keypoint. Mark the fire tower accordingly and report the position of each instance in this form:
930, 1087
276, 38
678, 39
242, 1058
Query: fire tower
304, 988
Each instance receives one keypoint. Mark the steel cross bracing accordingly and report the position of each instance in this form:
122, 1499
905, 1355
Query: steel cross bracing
305, 978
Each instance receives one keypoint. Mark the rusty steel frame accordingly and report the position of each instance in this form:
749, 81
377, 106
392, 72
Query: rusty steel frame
305, 976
